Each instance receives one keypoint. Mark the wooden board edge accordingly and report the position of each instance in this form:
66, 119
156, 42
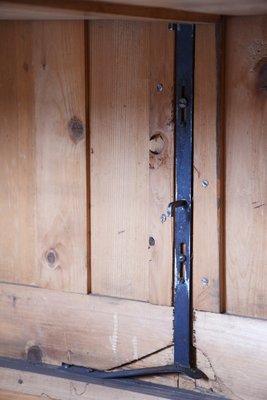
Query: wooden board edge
232, 352
87, 9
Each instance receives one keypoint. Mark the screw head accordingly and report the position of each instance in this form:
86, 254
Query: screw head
159, 87
182, 103
204, 281
205, 183
163, 218
182, 258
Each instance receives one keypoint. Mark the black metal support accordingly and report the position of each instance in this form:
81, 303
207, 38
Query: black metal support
134, 373
81, 374
185, 35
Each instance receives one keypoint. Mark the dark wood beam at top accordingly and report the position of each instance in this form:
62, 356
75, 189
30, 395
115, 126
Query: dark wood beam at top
67, 9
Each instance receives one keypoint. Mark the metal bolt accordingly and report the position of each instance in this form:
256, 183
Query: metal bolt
182, 258
182, 103
205, 183
204, 281
171, 27
160, 87
163, 218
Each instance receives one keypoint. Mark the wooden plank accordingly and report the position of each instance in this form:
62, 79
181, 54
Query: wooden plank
78, 9
119, 125
172, 10
246, 160
161, 162
43, 161
10, 395
17, 161
59, 59
232, 352
84, 330
208, 199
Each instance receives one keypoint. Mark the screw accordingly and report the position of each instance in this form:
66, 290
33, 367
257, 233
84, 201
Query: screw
205, 183
20, 381
160, 87
163, 218
182, 103
204, 281
182, 258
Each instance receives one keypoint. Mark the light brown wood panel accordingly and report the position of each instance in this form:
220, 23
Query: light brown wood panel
246, 161
17, 156
100, 332
119, 126
232, 352
10, 395
76, 9
59, 66
43, 160
207, 229
161, 162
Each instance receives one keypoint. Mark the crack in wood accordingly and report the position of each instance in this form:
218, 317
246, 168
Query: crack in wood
127, 364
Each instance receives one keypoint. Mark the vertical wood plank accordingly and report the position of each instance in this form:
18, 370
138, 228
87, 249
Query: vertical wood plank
246, 161
161, 162
207, 170
119, 123
17, 154
59, 62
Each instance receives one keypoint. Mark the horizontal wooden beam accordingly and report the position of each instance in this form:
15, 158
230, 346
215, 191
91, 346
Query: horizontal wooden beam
80, 9
94, 331
232, 352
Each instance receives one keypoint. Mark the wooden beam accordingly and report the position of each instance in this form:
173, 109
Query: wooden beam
119, 165
94, 331
208, 172
246, 165
232, 352
161, 131
81, 9
43, 158
10, 395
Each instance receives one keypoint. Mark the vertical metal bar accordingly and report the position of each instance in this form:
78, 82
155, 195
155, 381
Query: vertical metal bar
183, 191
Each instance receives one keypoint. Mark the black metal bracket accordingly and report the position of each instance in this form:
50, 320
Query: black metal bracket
133, 373
181, 208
